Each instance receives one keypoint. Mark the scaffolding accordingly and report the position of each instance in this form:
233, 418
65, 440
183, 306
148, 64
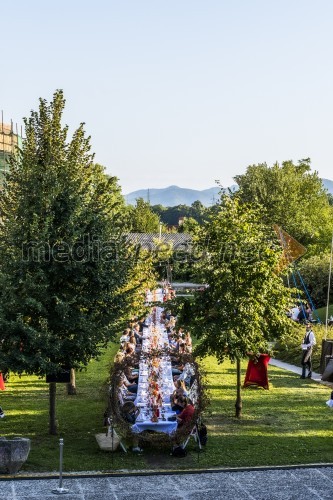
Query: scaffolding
9, 141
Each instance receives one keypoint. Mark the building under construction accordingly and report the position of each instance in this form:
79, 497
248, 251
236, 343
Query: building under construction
9, 140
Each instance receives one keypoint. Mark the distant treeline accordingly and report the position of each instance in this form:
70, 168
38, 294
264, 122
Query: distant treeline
171, 215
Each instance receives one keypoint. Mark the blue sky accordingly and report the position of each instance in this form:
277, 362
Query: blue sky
178, 91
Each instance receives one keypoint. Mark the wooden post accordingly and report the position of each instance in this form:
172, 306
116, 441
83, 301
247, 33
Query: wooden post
238, 404
53, 427
71, 386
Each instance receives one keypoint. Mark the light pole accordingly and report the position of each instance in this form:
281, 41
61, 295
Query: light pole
60, 490
329, 288
169, 273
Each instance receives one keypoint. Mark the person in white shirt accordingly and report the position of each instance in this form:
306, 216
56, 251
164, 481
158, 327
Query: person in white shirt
294, 313
188, 374
307, 346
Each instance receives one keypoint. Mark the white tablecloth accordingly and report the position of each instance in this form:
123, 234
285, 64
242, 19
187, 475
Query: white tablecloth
162, 376
165, 382
160, 426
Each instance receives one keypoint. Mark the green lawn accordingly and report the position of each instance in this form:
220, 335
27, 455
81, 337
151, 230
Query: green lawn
289, 424
322, 312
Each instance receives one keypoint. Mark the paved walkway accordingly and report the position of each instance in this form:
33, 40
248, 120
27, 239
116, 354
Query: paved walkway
313, 483
295, 369
292, 368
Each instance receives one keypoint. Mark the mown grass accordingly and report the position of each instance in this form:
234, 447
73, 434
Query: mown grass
80, 417
287, 424
322, 312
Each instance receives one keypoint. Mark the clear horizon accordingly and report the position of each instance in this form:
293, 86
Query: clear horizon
180, 92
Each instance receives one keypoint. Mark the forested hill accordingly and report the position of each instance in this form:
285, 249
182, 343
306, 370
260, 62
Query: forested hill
173, 195
328, 185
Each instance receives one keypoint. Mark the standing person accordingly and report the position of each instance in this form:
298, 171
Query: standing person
308, 342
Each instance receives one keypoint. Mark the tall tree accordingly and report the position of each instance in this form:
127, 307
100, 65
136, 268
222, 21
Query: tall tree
315, 274
63, 261
243, 307
294, 198
143, 219
199, 212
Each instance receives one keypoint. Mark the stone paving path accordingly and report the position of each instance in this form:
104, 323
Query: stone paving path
313, 483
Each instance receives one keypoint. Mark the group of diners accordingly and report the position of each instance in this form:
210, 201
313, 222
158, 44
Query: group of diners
181, 394
163, 294
301, 313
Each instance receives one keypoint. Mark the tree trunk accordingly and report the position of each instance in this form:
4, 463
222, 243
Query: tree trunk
71, 387
238, 404
53, 427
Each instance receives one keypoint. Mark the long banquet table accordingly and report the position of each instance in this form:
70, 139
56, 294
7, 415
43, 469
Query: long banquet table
155, 382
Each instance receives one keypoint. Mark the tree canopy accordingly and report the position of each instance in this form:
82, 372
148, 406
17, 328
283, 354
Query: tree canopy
64, 262
293, 197
142, 218
171, 215
243, 307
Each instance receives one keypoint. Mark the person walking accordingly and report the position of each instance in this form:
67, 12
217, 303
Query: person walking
307, 346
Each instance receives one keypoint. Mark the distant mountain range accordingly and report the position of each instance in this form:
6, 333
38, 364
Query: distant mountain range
174, 195
328, 185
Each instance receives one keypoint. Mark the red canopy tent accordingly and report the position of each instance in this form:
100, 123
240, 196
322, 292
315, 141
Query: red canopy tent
2, 383
256, 373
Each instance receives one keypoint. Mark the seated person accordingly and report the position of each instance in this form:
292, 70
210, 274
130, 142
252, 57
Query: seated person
188, 374
130, 386
173, 344
131, 373
142, 324
172, 322
119, 357
181, 347
294, 312
131, 343
187, 413
167, 315
125, 395
178, 394
125, 337
129, 352
176, 367
188, 342
302, 315
180, 333
129, 412
137, 334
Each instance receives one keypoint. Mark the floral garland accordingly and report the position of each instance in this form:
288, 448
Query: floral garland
149, 437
